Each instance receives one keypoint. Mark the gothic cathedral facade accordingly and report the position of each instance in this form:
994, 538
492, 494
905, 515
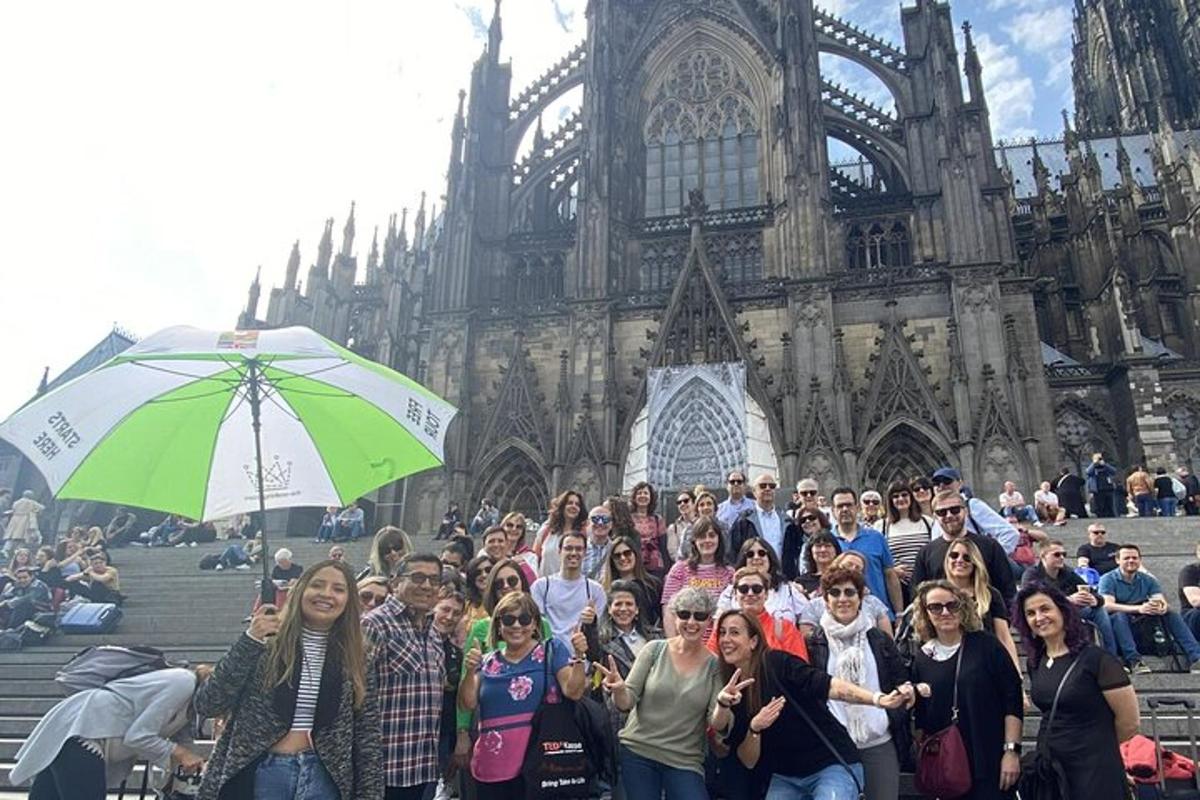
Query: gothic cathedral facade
1007, 309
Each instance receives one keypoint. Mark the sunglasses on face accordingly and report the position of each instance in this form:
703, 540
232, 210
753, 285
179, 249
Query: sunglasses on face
699, 616
900, 494
1057, 554
601, 519
750, 588
511, 582
757, 554
683, 501
942, 609
959, 556
836, 592
737, 481
870, 502
371, 598
922, 489
942, 481
767, 485
950, 511
621, 555
513, 620
809, 493
806, 520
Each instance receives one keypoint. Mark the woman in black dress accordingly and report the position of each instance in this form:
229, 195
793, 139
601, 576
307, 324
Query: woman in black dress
989, 687
1097, 709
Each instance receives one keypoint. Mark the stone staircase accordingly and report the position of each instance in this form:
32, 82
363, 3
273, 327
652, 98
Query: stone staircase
197, 615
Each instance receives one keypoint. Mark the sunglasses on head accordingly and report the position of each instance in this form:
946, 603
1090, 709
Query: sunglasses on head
700, 616
513, 620
949, 511
601, 519
837, 592
941, 609
750, 588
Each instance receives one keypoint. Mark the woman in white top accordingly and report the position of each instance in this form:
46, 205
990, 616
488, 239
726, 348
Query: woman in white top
906, 529
872, 606
785, 600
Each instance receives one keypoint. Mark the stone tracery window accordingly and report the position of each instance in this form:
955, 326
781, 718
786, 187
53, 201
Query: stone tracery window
878, 245
702, 132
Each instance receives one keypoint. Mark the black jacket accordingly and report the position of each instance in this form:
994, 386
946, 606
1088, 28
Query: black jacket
931, 558
746, 527
1067, 581
892, 673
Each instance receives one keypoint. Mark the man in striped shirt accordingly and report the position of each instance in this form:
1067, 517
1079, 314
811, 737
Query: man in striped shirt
406, 652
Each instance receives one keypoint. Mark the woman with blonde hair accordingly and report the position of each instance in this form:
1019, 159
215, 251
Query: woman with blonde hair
514, 528
387, 548
965, 569
955, 658
303, 720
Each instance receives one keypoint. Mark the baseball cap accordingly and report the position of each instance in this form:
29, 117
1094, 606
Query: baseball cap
946, 474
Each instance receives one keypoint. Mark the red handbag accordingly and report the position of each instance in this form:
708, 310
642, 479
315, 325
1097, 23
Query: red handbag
943, 768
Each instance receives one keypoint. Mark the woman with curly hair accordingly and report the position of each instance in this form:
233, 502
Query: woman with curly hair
956, 654
1097, 709
567, 512
303, 720
652, 530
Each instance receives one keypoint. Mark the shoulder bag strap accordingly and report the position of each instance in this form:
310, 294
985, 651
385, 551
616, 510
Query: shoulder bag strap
1045, 731
957, 669
799, 709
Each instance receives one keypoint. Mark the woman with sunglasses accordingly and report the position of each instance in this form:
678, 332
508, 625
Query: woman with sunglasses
672, 695
820, 549
623, 634
567, 512
990, 707
775, 716
389, 546
784, 600
872, 606
679, 532
750, 587
1097, 708
906, 529
965, 569
514, 527
922, 492
624, 563
373, 592
847, 645
477, 572
705, 568
507, 686
652, 530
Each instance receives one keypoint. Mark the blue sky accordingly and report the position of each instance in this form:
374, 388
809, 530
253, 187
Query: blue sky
156, 153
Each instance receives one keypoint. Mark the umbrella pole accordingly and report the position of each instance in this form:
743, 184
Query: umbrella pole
267, 588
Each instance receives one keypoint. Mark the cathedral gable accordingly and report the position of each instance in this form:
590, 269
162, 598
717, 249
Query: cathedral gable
899, 386
517, 412
748, 20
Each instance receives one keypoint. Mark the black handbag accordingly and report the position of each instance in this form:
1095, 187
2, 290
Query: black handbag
557, 765
1042, 776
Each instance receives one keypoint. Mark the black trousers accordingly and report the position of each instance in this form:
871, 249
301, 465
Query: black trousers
506, 790
76, 773
405, 792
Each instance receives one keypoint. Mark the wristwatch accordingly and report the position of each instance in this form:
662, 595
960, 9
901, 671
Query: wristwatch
1012, 747
876, 698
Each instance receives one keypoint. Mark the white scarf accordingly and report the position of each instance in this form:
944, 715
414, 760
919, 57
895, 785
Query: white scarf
848, 645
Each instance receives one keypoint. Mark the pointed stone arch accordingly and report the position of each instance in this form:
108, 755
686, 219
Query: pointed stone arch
1183, 416
820, 446
513, 476
900, 450
704, 438
517, 411
899, 389
1082, 430
999, 450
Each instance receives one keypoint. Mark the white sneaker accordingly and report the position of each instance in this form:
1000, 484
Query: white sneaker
181, 544
242, 567
219, 567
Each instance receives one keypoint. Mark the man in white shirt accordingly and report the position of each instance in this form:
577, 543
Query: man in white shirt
730, 509
569, 599
1045, 502
1014, 507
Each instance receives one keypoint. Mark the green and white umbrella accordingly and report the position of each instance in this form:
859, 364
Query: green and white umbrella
186, 420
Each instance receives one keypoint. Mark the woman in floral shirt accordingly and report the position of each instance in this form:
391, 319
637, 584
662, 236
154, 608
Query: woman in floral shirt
508, 686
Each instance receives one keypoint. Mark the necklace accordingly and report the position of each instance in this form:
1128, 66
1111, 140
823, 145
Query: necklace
1050, 659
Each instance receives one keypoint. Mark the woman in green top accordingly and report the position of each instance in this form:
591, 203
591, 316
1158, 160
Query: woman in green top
673, 693
505, 578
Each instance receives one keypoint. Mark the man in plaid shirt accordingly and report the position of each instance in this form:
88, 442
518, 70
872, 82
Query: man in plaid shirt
407, 655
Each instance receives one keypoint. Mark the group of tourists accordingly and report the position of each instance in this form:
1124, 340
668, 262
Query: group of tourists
748, 649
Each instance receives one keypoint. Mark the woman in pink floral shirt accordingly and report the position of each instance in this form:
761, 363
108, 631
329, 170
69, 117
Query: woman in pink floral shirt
508, 686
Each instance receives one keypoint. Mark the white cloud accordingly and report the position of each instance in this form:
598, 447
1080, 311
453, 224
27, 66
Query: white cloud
1010, 92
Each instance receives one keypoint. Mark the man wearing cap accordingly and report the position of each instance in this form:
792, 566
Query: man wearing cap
737, 503
981, 518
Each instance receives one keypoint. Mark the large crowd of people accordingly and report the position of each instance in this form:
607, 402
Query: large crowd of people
747, 648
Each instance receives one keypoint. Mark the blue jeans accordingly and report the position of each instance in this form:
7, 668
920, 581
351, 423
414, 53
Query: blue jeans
325, 533
1167, 505
831, 783
1146, 504
1192, 617
1123, 648
293, 777
1174, 624
642, 777
1021, 513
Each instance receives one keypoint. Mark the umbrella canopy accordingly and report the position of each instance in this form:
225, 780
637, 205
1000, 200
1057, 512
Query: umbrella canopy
168, 425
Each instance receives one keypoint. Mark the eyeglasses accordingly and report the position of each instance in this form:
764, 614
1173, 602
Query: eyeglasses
421, 578
621, 555
601, 519
808, 493
958, 555
767, 485
511, 582
757, 554
942, 609
870, 502
750, 588
700, 616
949, 511
836, 592
737, 481
806, 520
513, 620
371, 598
683, 501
